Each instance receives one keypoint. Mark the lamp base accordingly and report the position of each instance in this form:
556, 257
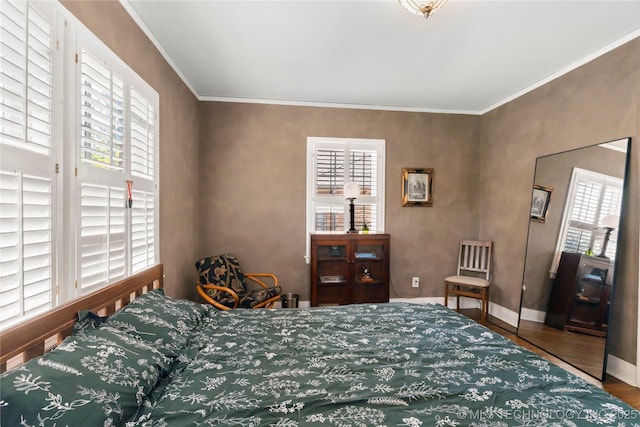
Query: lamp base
352, 231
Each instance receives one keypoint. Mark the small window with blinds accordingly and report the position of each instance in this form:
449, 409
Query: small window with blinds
333, 162
592, 197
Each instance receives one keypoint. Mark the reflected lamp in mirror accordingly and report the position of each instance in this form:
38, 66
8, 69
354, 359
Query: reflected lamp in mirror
609, 223
351, 191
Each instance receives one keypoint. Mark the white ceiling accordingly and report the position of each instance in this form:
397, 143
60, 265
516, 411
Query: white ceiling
469, 57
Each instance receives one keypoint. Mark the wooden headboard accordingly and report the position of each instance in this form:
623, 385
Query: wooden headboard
38, 335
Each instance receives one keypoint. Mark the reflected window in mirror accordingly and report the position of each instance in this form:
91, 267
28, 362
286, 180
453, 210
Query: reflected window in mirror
593, 199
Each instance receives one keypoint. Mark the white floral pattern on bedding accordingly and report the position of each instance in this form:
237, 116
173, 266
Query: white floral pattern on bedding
164, 362
370, 365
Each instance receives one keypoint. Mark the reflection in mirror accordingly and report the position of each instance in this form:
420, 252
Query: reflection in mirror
568, 279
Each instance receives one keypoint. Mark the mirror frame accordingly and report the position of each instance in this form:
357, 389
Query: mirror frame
616, 265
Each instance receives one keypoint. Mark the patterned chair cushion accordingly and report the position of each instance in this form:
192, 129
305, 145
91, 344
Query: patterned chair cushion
224, 270
253, 298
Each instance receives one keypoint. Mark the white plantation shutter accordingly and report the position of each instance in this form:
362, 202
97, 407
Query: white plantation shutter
329, 210
363, 169
332, 162
26, 73
142, 135
26, 270
27, 173
142, 231
102, 235
102, 114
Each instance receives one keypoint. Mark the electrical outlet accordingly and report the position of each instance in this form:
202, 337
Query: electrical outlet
415, 282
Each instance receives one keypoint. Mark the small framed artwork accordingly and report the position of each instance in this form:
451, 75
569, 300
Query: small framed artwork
417, 187
540, 199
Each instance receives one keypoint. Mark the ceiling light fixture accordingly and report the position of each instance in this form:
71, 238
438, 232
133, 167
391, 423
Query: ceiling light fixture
422, 9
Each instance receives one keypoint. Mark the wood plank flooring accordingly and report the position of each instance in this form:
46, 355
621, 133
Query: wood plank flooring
620, 389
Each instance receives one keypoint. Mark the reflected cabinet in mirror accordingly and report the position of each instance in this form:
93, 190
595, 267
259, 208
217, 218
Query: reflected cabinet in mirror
569, 273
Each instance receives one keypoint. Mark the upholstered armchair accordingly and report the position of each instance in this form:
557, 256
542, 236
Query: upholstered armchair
223, 284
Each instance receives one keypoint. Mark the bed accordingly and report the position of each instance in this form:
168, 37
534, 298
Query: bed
158, 361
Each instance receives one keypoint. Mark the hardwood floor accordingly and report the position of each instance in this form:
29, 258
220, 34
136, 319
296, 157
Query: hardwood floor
583, 351
620, 389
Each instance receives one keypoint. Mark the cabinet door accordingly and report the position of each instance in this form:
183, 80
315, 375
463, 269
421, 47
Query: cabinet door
332, 274
370, 281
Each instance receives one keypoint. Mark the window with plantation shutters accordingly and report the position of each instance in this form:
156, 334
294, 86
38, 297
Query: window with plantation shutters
117, 177
592, 196
27, 168
56, 245
333, 162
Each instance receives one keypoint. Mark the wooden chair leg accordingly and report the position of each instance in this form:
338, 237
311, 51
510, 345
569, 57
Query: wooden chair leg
446, 294
485, 304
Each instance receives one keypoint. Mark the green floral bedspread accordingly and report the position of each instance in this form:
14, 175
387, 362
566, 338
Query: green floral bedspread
390, 364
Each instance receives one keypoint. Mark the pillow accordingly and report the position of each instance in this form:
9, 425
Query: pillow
87, 321
98, 378
158, 319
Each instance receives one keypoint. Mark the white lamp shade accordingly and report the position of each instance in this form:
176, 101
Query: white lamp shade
610, 221
351, 190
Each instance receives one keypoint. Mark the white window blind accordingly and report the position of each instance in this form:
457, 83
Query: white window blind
103, 114
26, 271
142, 231
143, 118
27, 177
102, 235
26, 73
592, 196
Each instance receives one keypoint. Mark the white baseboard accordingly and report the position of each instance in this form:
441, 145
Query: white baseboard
533, 315
622, 370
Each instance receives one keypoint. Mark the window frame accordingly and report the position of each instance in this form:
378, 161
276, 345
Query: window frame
312, 201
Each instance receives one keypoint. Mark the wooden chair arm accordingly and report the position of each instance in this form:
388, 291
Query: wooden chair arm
201, 290
254, 277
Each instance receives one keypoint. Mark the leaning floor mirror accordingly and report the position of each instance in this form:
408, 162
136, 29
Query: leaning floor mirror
569, 273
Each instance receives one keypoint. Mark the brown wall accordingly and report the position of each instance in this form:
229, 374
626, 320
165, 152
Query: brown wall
253, 187
178, 136
249, 195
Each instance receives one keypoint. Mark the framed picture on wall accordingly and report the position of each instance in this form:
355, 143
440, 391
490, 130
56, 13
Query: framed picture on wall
417, 187
540, 199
